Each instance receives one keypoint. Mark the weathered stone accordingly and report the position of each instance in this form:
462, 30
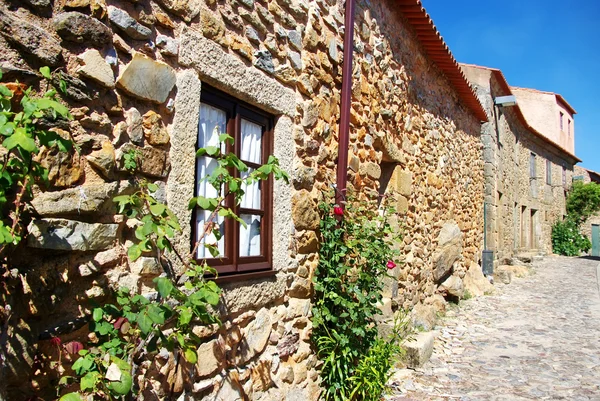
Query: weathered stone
304, 177
38, 4
210, 357
295, 39
256, 335
146, 266
96, 68
122, 20
453, 286
285, 74
186, 9
503, 274
76, 27
168, 46
154, 129
152, 162
424, 316
304, 211
141, 71
135, 129
288, 345
86, 199
76, 88
419, 349
30, 38
264, 61
448, 251
71, 235
64, 169
301, 287
77, 3
307, 242
104, 160
475, 282
161, 17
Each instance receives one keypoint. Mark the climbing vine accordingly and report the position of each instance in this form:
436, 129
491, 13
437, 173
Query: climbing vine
136, 326
357, 251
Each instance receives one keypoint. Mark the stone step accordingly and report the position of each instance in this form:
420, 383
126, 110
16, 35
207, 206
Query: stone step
419, 349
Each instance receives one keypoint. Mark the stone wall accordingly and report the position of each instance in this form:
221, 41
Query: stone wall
520, 209
135, 72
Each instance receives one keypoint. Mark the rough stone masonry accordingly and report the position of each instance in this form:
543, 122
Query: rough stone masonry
135, 71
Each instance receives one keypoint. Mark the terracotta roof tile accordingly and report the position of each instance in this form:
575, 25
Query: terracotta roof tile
436, 48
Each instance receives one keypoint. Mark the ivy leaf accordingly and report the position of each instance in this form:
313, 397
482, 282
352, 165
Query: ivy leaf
4, 91
185, 316
164, 286
134, 252
157, 209
152, 187
145, 323
190, 355
45, 71
156, 314
97, 314
88, 382
20, 138
123, 386
212, 150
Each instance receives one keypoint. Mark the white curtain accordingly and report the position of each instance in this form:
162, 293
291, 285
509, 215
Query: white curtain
251, 151
212, 124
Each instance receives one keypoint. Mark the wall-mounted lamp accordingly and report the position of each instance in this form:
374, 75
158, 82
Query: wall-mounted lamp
505, 101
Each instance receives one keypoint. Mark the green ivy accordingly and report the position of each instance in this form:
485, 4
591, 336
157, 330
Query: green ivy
136, 325
22, 133
356, 251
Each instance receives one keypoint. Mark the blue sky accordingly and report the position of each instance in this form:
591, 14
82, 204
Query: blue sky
549, 45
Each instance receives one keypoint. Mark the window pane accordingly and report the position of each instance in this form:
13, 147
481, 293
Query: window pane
201, 217
251, 142
250, 235
204, 167
212, 124
251, 198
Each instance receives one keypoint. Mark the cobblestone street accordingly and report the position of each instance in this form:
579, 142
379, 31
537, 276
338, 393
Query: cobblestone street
535, 339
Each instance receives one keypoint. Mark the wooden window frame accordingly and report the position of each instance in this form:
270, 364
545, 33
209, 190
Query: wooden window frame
233, 264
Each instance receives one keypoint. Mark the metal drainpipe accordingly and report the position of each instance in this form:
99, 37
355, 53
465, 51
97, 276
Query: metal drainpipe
344, 129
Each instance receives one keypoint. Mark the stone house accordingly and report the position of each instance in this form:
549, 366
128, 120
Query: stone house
160, 77
527, 173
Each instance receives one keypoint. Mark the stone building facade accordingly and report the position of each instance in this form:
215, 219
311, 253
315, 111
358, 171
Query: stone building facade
527, 175
550, 114
138, 74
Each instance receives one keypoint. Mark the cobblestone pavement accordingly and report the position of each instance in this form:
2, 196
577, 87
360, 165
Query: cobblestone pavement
535, 339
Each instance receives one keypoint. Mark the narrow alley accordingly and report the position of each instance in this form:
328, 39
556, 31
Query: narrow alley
535, 339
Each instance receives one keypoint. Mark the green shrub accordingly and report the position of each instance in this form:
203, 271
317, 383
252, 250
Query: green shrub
567, 240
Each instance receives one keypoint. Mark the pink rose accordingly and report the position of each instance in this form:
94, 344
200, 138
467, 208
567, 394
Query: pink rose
338, 211
390, 264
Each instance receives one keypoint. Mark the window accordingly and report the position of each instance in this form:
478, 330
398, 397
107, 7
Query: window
532, 166
548, 172
564, 176
242, 249
569, 127
561, 121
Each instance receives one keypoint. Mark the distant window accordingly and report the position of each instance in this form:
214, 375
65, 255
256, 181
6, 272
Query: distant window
564, 176
548, 172
532, 165
569, 127
561, 121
